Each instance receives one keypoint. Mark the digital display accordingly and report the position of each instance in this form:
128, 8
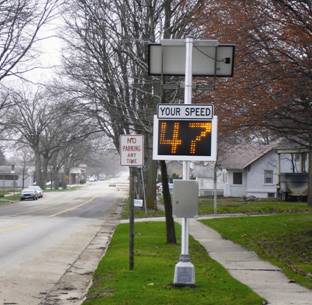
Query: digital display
185, 132
180, 138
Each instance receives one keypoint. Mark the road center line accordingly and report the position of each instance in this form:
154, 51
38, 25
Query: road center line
72, 208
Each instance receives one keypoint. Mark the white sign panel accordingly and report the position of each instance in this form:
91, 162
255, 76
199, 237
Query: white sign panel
138, 203
132, 150
170, 60
185, 112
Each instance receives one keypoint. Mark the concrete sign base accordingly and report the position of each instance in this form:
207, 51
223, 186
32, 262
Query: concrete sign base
184, 274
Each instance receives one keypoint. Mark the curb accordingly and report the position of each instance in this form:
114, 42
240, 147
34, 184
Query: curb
72, 287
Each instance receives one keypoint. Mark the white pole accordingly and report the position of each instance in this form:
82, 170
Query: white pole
215, 188
186, 166
188, 71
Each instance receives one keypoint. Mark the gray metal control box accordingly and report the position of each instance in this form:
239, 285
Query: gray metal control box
185, 198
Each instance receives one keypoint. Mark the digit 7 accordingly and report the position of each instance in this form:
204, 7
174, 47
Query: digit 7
206, 126
175, 141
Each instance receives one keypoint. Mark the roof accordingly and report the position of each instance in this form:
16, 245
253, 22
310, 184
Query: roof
5, 169
240, 156
75, 170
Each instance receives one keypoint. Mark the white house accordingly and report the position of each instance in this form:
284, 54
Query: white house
14, 179
249, 170
252, 170
204, 173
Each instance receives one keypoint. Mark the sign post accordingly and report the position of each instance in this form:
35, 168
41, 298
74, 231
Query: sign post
132, 155
185, 265
187, 132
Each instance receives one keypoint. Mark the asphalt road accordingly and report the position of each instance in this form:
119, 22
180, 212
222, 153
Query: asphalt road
39, 240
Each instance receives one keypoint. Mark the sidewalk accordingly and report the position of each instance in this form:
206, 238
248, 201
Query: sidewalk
245, 266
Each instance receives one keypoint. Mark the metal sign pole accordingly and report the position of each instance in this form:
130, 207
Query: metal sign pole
131, 221
184, 270
132, 155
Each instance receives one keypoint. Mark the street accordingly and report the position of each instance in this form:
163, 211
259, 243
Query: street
40, 240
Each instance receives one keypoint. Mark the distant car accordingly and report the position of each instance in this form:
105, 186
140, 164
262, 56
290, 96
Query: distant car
29, 194
159, 187
37, 189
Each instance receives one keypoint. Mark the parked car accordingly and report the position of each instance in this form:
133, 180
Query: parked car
37, 189
159, 187
29, 194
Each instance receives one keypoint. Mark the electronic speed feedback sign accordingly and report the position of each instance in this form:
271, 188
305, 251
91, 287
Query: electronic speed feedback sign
185, 132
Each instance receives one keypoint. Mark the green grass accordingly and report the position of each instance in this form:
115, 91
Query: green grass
285, 240
140, 213
151, 281
69, 188
232, 205
259, 206
9, 199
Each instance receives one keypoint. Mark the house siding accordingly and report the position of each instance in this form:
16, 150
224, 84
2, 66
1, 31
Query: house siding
8, 184
253, 179
255, 176
234, 190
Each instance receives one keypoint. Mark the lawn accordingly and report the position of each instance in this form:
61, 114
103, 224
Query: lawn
259, 206
285, 240
151, 281
5, 199
140, 213
232, 205
68, 188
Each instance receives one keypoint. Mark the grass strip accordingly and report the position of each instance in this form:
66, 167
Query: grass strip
233, 205
151, 281
284, 240
140, 213
10, 199
259, 206
67, 189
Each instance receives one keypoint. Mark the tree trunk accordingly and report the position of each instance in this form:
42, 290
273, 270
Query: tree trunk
24, 174
65, 179
310, 178
37, 167
150, 176
44, 173
171, 236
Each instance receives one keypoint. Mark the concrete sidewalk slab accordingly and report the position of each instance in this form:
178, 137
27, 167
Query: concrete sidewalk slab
262, 277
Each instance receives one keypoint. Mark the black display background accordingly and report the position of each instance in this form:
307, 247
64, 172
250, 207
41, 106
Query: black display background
186, 134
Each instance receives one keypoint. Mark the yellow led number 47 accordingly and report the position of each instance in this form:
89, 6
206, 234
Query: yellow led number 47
175, 141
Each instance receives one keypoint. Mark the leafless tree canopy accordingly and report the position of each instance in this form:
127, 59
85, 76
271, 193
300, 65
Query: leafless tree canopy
108, 41
20, 22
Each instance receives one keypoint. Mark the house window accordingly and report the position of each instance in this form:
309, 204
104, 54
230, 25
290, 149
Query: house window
271, 195
237, 178
268, 177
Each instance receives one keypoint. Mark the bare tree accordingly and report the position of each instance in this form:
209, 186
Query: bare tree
27, 121
108, 63
47, 125
20, 23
